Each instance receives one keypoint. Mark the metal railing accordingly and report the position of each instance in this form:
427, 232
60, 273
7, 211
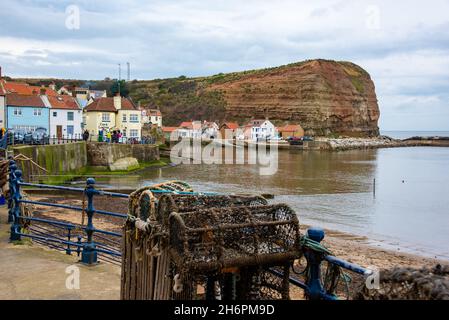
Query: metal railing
89, 249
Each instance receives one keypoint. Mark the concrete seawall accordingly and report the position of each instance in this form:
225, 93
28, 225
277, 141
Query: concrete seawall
73, 158
370, 143
101, 154
57, 159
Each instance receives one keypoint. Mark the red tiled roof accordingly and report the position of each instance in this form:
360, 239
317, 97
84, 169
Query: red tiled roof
169, 129
20, 100
107, 105
154, 112
63, 102
231, 125
26, 89
186, 124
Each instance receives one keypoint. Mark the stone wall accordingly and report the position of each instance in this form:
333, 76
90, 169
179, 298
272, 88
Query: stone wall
57, 159
102, 154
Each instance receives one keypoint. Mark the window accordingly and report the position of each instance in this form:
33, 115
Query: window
133, 118
105, 117
124, 117
55, 114
70, 130
37, 111
70, 116
17, 111
133, 133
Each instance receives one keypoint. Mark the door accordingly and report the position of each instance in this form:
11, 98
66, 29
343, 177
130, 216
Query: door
59, 132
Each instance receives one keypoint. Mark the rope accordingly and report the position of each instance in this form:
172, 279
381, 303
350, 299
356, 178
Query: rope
333, 273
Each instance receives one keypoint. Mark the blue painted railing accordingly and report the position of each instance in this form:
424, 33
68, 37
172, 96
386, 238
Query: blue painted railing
89, 249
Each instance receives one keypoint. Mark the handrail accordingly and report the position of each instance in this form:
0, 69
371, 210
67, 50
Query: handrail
89, 247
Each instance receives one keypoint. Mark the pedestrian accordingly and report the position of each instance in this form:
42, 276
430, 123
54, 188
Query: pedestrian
86, 135
119, 136
108, 136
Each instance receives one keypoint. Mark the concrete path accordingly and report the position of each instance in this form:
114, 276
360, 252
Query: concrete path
29, 271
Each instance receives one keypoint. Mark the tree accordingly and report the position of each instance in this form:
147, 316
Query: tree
120, 86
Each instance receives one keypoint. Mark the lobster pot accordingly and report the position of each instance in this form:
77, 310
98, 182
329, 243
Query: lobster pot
212, 239
189, 203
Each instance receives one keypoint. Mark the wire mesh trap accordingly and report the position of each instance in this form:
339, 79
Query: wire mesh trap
198, 246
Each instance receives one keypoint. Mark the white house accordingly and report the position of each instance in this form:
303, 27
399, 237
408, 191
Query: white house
190, 129
259, 130
153, 116
65, 117
209, 130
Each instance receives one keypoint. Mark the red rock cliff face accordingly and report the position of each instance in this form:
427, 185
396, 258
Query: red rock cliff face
325, 97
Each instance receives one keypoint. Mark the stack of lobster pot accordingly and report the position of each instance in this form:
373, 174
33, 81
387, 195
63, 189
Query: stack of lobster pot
188, 247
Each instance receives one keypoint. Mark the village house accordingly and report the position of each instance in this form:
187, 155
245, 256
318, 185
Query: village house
65, 117
209, 130
27, 112
190, 129
84, 96
259, 130
115, 113
170, 133
291, 131
231, 128
152, 116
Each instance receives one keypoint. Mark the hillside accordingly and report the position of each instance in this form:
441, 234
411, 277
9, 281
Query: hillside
325, 97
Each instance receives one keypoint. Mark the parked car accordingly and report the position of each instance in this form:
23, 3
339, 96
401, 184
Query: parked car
307, 138
40, 136
17, 136
295, 141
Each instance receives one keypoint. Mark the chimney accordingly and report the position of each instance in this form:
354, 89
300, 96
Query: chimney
52, 86
42, 91
117, 101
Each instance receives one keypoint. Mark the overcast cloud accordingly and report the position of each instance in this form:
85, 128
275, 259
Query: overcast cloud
403, 44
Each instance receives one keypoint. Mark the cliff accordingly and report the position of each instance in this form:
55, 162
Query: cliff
325, 97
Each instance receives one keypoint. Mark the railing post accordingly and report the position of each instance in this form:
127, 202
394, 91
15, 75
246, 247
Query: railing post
12, 170
69, 236
15, 227
89, 255
314, 259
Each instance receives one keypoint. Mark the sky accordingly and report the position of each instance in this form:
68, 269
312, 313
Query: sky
404, 45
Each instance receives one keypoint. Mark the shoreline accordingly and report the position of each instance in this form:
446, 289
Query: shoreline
343, 144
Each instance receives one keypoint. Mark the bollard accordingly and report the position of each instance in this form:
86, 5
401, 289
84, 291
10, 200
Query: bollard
15, 227
315, 289
89, 254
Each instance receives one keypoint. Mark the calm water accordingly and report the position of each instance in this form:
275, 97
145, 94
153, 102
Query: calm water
409, 212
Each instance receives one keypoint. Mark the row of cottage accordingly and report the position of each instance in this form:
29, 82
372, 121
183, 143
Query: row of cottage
70, 111
255, 130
